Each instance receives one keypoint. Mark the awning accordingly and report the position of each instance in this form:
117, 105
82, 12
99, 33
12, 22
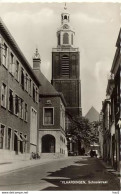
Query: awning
23, 137
19, 138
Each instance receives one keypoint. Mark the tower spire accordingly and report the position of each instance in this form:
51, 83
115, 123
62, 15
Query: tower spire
65, 6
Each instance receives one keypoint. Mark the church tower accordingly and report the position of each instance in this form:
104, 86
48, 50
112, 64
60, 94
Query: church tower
66, 66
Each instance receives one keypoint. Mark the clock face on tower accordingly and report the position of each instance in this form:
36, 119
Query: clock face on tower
65, 26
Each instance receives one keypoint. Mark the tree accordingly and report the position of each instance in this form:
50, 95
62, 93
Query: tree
82, 130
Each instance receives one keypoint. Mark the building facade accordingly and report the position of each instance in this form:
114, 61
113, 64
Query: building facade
114, 94
52, 137
19, 100
66, 66
116, 101
100, 129
106, 130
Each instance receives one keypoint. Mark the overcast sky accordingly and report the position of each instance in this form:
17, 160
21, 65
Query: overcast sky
96, 30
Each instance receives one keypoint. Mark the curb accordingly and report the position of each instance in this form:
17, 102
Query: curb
24, 167
110, 169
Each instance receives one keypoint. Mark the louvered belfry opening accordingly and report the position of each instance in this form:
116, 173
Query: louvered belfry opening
65, 66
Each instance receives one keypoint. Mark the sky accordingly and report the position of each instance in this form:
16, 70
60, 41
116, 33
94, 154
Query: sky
96, 28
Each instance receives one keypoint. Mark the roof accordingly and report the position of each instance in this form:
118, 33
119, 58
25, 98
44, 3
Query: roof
11, 41
70, 28
92, 115
46, 88
117, 53
118, 39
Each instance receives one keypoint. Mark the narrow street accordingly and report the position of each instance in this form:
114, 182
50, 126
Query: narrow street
73, 173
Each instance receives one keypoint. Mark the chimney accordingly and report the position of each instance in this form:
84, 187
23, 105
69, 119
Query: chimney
36, 60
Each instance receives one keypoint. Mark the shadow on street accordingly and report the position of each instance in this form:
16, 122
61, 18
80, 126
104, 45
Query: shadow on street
88, 174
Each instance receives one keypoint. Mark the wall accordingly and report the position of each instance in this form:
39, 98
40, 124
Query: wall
58, 128
6, 117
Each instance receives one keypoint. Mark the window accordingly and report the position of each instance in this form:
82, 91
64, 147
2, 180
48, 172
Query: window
22, 78
34, 92
30, 85
48, 116
17, 71
12, 65
65, 38
25, 144
21, 143
2, 133
36, 95
112, 109
5, 55
9, 138
11, 101
65, 17
3, 95
26, 82
16, 104
21, 108
26, 112
33, 126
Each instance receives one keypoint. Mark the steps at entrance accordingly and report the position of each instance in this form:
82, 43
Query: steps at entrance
51, 155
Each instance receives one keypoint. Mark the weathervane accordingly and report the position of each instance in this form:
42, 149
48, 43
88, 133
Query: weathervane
65, 6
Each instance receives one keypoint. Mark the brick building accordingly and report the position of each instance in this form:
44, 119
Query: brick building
101, 134
66, 66
106, 130
114, 94
19, 100
66, 72
52, 137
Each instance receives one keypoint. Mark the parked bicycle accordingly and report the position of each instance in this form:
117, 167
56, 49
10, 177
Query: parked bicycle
35, 156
